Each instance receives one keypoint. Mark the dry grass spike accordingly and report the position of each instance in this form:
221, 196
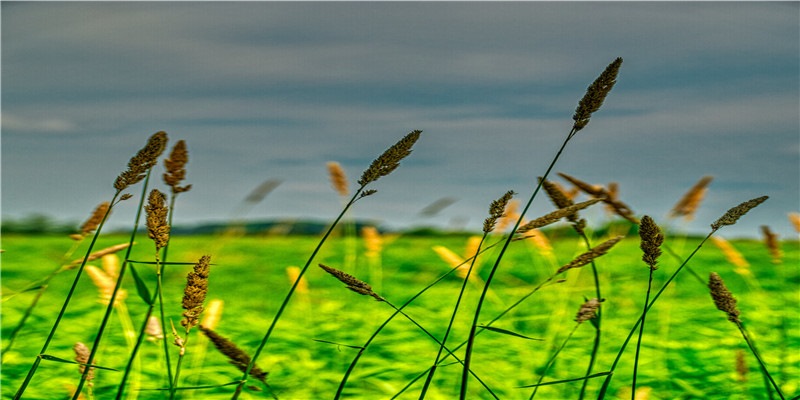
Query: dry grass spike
94, 220
596, 94
588, 310
555, 216
145, 159
352, 282
82, 353
723, 298
590, 255
236, 356
390, 159
773, 244
688, 204
651, 240
194, 295
733, 214
176, 168
338, 178
496, 210
157, 227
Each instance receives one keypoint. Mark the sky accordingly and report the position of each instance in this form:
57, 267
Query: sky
274, 90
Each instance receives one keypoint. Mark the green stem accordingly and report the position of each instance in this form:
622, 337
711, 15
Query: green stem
641, 331
473, 329
552, 360
117, 286
452, 320
753, 349
596, 322
288, 297
38, 359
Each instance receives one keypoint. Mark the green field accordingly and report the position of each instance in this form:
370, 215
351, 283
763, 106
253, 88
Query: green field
689, 348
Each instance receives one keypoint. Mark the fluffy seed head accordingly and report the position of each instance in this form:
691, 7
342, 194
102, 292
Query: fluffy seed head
733, 215
723, 298
651, 239
596, 94
157, 227
176, 168
497, 210
390, 159
195, 292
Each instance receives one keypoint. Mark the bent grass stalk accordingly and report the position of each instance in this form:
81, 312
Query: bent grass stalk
590, 103
381, 166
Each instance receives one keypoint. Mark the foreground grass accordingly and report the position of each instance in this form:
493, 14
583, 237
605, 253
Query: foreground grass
689, 350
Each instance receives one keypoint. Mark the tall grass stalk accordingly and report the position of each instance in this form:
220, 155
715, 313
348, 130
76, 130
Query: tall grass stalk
381, 166
591, 102
60, 316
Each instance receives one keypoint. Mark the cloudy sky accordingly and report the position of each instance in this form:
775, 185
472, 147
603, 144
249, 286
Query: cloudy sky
263, 90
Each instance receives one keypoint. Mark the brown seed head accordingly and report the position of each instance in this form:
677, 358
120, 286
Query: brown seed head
195, 293
145, 159
794, 219
390, 159
95, 219
596, 94
723, 298
588, 310
590, 255
157, 227
772, 243
352, 282
651, 239
619, 207
555, 216
236, 356
175, 166
97, 254
733, 215
497, 210
338, 178
688, 204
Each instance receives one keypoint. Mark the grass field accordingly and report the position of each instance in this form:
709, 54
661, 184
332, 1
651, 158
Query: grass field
689, 349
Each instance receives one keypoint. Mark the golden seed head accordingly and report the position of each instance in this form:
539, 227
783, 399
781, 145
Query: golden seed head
176, 168
688, 204
105, 285
95, 219
741, 366
588, 310
157, 227
352, 282
390, 159
236, 356
82, 356
723, 298
731, 254
596, 94
590, 255
733, 215
651, 239
794, 219
145, 159
195, 293
98, 254
372, 241
497, 210
620, 208
338, 178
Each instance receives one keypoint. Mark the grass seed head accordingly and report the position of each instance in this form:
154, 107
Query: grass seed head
733, 215
95, 219
236, 356
352, 282
651, 239
590, 255
338, 178
175, 166
772, 243
145, 159
390, 159
723, 298
157, 227
794, 219
496, 210
195, 293
153, 329
82, 356
688, 204
596, 94
555, 216
588, 310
